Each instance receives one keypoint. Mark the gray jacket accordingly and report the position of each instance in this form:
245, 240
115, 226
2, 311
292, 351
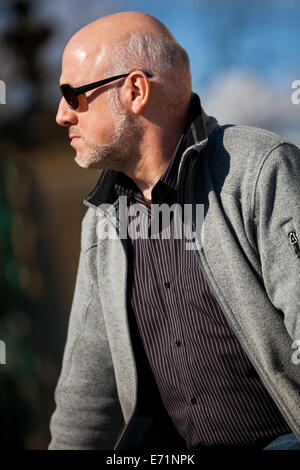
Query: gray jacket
249, 182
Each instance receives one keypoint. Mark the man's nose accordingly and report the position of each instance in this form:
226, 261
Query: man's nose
65, 115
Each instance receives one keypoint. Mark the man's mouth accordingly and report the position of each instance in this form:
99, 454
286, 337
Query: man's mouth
74, 138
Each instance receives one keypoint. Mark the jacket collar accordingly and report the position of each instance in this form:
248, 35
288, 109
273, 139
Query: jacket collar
199, 128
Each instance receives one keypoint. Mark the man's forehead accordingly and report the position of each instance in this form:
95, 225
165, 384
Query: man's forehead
81, 61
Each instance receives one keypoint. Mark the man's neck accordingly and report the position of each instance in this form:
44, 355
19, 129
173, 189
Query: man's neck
154, 161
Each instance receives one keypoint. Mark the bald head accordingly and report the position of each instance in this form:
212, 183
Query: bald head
122, 42
109, 28
92, 42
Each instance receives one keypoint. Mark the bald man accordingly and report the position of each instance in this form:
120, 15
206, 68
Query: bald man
185, 322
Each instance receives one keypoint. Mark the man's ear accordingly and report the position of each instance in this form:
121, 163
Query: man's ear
136, 91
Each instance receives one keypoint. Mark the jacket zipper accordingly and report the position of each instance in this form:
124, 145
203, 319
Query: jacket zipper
293, 239
133, 355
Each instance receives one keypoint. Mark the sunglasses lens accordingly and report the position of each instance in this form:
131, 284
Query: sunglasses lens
69, 96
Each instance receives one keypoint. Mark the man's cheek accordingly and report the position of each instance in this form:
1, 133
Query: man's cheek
100, 129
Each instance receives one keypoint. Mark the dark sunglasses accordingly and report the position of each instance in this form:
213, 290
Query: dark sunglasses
70, 94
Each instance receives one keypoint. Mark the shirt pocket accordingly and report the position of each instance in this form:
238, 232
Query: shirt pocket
292, 236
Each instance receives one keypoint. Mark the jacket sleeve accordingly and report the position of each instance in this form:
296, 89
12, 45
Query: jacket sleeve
277, 218
88, 413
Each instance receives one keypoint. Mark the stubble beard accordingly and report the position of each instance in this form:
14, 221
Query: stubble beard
123, 144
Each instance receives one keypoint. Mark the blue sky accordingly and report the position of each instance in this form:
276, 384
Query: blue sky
249, 39
262, 36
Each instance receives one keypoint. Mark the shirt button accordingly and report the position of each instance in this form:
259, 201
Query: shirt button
193, 401
178, 343
167, 285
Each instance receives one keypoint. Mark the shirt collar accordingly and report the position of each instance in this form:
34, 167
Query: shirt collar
169, 176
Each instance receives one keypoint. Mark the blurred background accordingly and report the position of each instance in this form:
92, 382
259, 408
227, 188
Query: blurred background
244, 57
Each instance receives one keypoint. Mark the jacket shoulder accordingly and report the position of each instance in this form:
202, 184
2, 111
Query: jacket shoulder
236, 153
245, 140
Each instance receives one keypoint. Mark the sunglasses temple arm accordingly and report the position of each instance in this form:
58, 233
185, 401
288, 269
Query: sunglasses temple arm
91, 86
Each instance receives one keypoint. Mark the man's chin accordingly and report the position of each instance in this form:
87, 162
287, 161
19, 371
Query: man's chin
85, 162
89, 162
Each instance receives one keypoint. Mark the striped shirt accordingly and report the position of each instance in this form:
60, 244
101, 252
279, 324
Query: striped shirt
208, 385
